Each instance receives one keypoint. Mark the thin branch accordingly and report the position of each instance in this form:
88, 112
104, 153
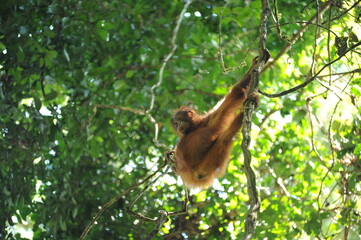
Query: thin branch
328, 42
184, 205
135, 111
275, 18
330, 126
307, 5
117, 198
163, 215
297, 36
267, 116
221, 54
279, 181
161, 220
170, 54
220, 37
337, 87
314, 149
128, 109
141, 193
307, 23
342, 73
329, 88
152, 90
329, 169
181, 91
160, 80
156, 130
343, 13
312, 78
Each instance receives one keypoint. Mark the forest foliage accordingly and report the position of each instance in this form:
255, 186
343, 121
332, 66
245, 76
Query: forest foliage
87, 89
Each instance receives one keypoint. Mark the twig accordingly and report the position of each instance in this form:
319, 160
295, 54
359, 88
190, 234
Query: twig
279, 181
312, 78
96, 106
307, 5
220, 38
267, 116
329, 42
117, 198
221, 54
343, 13
296, 36
160, 80
163, 218
130, 205
181, 91
184, 206
329, 88
317, 33
307, 23
308, 106
276, 20
170, 54
358, 70
156, 130
128, 109
333, 153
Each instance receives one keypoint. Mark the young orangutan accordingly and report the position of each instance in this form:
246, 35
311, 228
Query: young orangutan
202, 153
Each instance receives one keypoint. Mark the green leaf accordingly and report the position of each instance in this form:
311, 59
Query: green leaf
129, 74
95, 149
66, 54
49, 33
2, 47
256, 5
20, 55
104, 25
238, 10
37, 102
74, 212
325, 215
50, 96
62, 224
357, 150
220, 10
107, 26
226, 11
217, 10
353, 180
197, 38
51, 54
119, 84
226, 20
102, 33
356, 90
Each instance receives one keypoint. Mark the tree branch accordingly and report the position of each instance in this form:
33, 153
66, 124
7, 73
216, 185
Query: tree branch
343, 13
170, 54
252, 214
117, 198
312, 78
297, 36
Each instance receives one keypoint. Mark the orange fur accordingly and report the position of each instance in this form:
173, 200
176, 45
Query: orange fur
202, 153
